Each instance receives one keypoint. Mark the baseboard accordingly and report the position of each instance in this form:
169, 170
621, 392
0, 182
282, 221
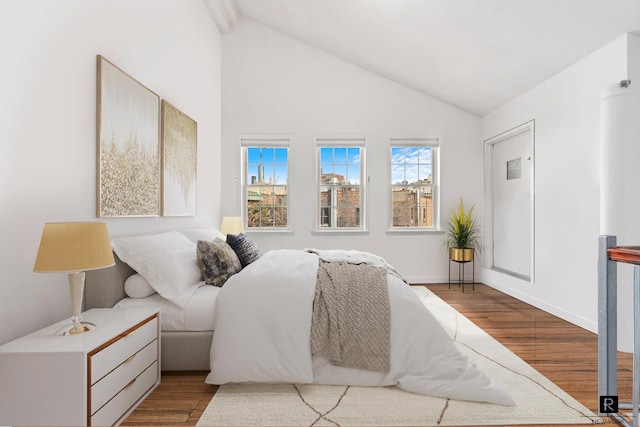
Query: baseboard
419, 280
578, 320
505, 287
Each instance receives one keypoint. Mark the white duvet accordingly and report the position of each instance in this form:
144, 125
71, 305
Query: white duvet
262, 334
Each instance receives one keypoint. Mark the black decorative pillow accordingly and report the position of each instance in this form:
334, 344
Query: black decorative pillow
217, 261
244, 247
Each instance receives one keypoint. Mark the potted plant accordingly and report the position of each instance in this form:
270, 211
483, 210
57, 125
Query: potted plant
462, 235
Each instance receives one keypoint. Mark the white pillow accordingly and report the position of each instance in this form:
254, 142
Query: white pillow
137, 286
206, 234
166, 260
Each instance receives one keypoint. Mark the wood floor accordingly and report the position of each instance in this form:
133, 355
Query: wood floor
564, 353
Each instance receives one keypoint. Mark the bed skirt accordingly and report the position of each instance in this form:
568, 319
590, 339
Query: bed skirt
185, 351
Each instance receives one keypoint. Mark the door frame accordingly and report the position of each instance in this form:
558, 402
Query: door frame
489, 145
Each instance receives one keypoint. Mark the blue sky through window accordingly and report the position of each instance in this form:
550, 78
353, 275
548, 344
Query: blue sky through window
267, 165
410, 165
343, 161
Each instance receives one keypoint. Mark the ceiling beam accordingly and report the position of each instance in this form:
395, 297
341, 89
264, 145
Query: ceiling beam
224, 13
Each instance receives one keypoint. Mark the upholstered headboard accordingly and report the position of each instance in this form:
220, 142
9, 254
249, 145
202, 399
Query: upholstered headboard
105, 287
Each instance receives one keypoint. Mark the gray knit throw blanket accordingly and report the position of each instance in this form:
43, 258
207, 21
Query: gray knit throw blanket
351, 323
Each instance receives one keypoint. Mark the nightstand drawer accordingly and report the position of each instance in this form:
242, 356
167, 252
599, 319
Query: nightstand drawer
126, 398
110, 357
117, 379
46, 379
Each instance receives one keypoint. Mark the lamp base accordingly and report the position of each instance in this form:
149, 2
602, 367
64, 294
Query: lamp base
71, 329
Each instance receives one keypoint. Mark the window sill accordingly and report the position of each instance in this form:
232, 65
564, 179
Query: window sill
279, 232
335, 232
407, 231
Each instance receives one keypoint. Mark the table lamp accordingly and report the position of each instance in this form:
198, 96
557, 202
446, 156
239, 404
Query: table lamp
232, 225
73, 248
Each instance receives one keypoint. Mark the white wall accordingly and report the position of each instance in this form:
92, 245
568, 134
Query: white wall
619, 154
566, 109
274, 84
48, 125
633, 56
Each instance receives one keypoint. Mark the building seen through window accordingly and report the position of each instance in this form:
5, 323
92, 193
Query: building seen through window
412, 186
340, 187
267, 187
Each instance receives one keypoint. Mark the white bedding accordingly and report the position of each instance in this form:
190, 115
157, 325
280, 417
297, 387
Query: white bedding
262, 334
197, 314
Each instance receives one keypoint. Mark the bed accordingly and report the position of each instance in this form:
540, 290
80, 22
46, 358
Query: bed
266, 317
181, 349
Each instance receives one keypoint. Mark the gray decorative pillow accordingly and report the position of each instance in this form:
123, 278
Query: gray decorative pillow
244, 247
217, 261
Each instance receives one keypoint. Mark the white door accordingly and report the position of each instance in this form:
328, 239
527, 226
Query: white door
510, 171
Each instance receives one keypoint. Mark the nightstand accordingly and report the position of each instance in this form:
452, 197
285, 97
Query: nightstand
95, 378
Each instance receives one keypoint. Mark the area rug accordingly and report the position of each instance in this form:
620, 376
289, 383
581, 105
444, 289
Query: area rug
539, 401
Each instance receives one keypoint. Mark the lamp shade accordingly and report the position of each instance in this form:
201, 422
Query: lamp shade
232, 225
74, 246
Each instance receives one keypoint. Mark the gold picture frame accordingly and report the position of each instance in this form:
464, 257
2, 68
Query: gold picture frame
128, 145
179, 162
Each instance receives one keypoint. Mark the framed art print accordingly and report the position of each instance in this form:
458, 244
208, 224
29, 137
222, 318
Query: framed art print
179, 158
128, 145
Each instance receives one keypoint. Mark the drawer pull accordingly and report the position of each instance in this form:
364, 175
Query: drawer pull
130, 358
131, 333
130, 384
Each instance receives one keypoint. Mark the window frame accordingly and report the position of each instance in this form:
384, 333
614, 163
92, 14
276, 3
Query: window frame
263, 141
336, 142
435, 143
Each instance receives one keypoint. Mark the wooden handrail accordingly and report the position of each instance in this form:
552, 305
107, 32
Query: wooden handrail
626, 254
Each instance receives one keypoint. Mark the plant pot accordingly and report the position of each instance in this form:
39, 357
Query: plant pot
460, 255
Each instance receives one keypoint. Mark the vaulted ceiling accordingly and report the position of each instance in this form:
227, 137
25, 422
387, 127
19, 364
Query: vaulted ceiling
474, 54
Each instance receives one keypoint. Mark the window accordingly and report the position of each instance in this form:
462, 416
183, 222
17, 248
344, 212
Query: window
413, 183
340, 184
266, 183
